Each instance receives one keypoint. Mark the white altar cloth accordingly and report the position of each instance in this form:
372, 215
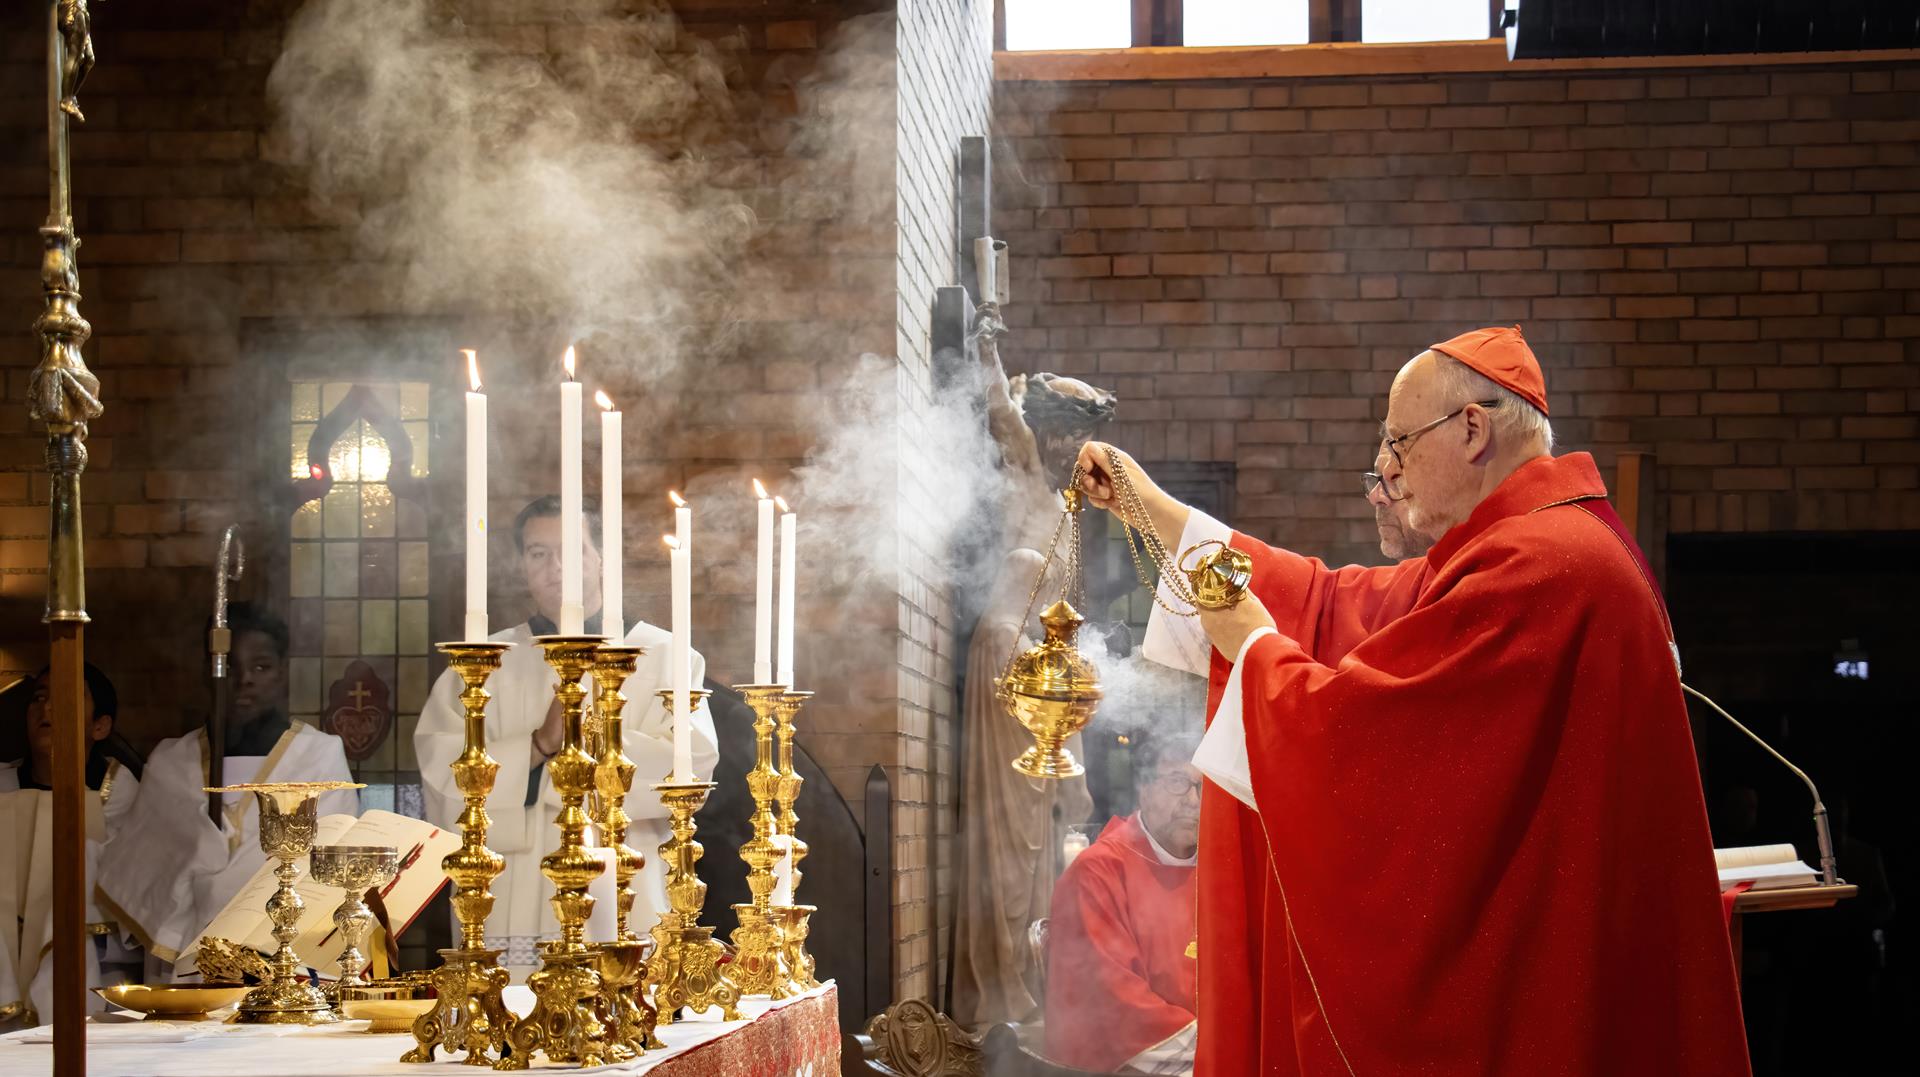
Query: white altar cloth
123, 1045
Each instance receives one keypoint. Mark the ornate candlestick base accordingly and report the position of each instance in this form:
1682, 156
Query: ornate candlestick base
685, 968
793, 923
628, 1020
287, 817
353, 868
756, 967
469, 1014
565, 1022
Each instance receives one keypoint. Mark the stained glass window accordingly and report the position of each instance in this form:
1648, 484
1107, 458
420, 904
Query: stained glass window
358, 576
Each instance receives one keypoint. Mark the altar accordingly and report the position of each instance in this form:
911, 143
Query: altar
795, 1037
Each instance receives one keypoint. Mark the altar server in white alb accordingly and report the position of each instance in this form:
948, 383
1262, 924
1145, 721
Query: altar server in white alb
27, 854
524, 730
168, 871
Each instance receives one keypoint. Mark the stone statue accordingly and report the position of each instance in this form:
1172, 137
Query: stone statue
1010, 842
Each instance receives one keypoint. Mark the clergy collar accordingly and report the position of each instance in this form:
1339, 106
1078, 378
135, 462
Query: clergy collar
540, 626
1540, 483
1165, 857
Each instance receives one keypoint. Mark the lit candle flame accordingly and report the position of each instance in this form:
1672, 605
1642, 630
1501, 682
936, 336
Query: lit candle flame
782, 502
672, 543
601, 398
316, 471
678, 501
473, 367
759, 491
567, 361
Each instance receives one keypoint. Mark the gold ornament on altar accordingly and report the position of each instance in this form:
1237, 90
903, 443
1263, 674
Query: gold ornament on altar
565, 1023
758, 968
791, 919
288, 818
623, 963
353, 868
468, 1013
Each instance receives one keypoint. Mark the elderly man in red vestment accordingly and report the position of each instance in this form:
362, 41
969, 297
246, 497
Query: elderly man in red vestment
1120, 968
1454, 822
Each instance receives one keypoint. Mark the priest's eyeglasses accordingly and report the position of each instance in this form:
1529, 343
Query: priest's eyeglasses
1177, 785
1373, 480
1396, 445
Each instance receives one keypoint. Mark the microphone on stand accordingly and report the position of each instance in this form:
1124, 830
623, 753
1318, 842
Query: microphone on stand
1820, 829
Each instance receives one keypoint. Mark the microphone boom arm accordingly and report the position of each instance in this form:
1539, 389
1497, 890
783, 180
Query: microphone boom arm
1821, 830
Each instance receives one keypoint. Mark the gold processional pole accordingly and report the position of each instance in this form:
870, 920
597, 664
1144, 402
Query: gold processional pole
64, 395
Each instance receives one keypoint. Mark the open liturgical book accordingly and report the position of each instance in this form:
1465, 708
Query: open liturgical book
422, 846
1767, 867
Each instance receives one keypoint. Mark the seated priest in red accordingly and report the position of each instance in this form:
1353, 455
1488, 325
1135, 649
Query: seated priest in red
1120, 964
1453, 822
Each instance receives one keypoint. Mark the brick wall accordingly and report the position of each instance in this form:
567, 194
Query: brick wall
212, 270
945, 90
1721, 267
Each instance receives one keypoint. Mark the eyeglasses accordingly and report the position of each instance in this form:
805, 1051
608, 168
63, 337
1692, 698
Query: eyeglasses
1176, 785
1373, 480
1395, 445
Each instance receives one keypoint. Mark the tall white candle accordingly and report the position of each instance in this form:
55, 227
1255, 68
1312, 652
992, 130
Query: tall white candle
573, 615
612, 599
763, 592
680, 658
476, 627
788, 526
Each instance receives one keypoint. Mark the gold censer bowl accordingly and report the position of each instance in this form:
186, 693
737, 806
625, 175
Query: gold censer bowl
1052, 690
1220, 577
173, 1002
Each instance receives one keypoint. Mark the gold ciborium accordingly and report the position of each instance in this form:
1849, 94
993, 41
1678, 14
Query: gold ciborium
288, 815
468, 1013
353, 868
1053, 690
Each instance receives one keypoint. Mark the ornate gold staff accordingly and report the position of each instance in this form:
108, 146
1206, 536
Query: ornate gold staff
685, 969
565, 1022
468, 1014
792, 918
63, 394
757, 966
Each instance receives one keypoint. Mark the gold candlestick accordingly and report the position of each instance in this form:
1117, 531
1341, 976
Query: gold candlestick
469, 1014
685, 969
288, 814
792, 918
565, 1022
613, 776
757, 968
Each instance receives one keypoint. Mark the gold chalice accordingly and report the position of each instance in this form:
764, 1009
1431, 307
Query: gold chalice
288, 816
1053, 691
353, 868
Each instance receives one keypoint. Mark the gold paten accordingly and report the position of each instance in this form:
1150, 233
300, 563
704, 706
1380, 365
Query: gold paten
288, 816
565, 1022
468, 1013
173, 1002
757, 968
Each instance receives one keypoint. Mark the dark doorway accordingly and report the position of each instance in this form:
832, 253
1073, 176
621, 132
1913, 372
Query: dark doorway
1811, 639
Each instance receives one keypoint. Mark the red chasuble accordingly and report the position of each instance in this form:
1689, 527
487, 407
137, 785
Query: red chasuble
1118, 976
1480, 846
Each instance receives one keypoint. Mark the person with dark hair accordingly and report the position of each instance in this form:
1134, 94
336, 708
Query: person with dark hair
524, 731
170, 870
1121, 970
26, 850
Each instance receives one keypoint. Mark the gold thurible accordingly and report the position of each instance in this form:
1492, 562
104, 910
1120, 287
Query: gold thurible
685, 969
757, 968
469, 1014
1050, 687
792, 919
623, 963
565, 1023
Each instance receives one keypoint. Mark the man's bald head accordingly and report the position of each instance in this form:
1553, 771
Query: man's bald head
1446, 468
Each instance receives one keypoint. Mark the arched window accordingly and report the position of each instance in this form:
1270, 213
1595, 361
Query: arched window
358, 565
